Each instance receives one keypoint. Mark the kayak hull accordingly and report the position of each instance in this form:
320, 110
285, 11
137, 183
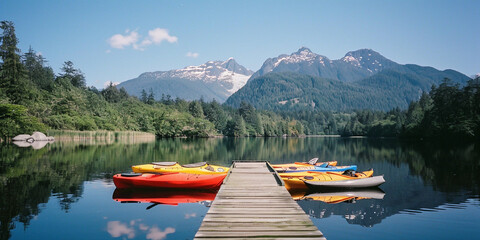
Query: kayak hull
171, 180
350, 183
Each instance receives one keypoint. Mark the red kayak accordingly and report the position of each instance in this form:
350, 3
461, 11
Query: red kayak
169, 197
168, 180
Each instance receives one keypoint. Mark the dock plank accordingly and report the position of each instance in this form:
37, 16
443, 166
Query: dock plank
251, 204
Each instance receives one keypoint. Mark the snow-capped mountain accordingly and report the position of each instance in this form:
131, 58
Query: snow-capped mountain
211, 80
353, 66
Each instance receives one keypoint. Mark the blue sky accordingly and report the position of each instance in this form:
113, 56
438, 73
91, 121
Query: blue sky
115, 40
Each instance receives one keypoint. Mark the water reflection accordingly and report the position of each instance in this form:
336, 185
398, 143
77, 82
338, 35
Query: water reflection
129, 230
339, 196
163, 196
420, 176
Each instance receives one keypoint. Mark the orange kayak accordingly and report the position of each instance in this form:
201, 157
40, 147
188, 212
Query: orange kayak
168, 180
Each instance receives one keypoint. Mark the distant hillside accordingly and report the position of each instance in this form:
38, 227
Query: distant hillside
212, 80
282, 91
362, 79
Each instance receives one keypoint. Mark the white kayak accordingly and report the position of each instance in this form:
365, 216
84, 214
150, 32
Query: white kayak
351, 183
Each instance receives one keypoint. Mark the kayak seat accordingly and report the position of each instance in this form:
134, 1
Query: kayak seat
324, 165
210, 168
195, 165
313, 161
131, 174
349, 172
164, 163
293, 168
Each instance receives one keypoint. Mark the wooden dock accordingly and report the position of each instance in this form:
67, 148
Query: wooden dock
253, 203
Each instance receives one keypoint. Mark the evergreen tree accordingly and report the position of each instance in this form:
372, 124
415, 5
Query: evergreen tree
144, 97
111, 93
38, 73
151, 97
75, 76
195, 108
12, 73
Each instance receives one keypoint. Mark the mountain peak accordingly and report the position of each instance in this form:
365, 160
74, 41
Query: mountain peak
304, 50
364, 52
230, 60
368, 59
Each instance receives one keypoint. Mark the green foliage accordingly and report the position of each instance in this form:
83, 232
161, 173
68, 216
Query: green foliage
14, 120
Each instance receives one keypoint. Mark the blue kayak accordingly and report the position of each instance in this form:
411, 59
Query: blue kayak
320, 168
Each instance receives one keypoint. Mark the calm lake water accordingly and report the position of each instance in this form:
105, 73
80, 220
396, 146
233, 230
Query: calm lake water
65, 191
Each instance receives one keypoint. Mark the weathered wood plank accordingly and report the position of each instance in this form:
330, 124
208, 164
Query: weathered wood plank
263, 238
266, 224
258, 228
259, 234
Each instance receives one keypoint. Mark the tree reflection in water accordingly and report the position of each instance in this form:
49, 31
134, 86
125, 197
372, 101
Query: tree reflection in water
419, 175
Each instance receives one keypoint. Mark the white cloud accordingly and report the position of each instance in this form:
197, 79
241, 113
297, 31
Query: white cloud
192, 54
133, 39
107, 83
158, 35
120, 41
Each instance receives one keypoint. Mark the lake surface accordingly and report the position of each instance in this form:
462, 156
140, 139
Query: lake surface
65, 190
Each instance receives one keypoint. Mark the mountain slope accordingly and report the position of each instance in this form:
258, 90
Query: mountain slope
288, 90
383, 91
212, 80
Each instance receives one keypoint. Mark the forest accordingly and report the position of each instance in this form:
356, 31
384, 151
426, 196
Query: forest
34, 98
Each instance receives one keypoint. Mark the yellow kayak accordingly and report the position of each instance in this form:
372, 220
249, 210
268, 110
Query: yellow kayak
168, 167
296, 180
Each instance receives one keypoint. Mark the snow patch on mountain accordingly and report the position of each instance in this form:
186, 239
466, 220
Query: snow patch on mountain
302, 55
227, 73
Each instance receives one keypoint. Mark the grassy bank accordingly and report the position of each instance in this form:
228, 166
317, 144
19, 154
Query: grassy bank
101, 136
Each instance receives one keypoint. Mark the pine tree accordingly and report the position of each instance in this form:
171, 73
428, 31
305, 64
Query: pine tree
12, 73
75, 76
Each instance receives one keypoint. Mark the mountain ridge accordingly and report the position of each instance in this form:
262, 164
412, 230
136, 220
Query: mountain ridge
211, 80
385, 84
355, 65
